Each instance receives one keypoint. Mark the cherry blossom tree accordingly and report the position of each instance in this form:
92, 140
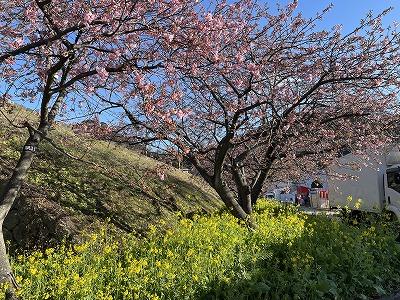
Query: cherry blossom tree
58, 54
262, 96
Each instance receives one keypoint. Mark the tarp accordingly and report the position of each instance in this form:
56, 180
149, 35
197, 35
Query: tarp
302, 190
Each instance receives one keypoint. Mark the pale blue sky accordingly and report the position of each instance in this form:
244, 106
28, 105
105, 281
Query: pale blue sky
346, 12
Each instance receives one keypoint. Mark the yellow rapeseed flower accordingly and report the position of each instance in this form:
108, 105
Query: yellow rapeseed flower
190, 252
33, 270
107, 249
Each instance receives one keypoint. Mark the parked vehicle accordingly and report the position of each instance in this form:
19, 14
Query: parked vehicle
281, 194
374, 185
304, 193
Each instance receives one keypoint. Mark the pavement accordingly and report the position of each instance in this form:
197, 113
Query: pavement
320, 211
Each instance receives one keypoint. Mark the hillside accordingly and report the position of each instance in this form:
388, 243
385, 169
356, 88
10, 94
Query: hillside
63, 197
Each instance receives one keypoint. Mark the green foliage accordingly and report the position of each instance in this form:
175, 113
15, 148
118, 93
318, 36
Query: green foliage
289, 256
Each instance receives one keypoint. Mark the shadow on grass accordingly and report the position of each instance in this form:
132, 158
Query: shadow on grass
329, 261
115, 197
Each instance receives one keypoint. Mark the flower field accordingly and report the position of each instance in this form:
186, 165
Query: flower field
289, 256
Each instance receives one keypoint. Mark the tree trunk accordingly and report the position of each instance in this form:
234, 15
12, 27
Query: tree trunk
229, 199
224, 193
6, 272
258, 185
243, 189
247, 204
7, 199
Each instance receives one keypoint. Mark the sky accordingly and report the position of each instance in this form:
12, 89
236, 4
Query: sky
346, 12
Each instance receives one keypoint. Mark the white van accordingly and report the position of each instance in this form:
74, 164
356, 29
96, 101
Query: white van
374, 185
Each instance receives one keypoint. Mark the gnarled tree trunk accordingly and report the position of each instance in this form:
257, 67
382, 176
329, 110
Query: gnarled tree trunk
7, 198
243, 189
229, 199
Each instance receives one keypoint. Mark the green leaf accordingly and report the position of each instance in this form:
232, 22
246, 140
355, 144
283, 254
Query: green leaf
262, 287
381, 291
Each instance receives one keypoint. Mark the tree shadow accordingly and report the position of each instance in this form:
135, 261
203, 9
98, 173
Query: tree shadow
85, 194
115, 197
324, 264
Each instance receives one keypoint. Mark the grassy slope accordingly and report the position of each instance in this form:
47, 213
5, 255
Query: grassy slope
63, 196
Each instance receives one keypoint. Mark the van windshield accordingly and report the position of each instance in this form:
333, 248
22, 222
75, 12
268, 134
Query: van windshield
393, 179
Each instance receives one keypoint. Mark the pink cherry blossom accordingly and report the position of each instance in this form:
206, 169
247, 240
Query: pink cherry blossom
180, 113
170, 37
31, 13
103, 74
89, 17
